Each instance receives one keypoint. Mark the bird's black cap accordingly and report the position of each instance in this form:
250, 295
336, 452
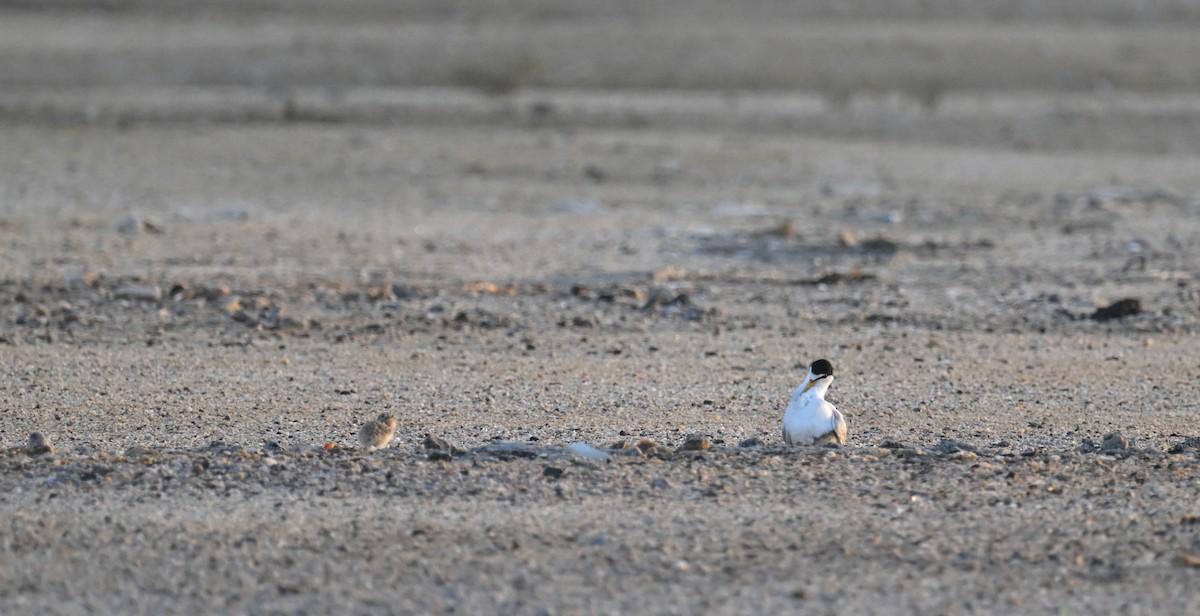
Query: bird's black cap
822, 366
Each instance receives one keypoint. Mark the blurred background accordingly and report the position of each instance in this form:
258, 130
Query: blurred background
1022, 74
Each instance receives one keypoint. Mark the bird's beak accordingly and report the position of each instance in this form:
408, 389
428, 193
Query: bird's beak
810, 384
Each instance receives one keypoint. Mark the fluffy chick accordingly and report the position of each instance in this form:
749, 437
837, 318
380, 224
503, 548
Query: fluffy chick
377, 433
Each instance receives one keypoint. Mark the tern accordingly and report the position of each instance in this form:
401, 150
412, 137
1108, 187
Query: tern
377, 433
809, 419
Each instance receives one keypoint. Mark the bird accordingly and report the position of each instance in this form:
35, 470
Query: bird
809, 419
377, 433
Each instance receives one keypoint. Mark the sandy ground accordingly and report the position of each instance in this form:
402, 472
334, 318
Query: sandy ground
222, 251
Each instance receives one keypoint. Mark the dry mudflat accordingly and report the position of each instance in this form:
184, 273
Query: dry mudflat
228, 240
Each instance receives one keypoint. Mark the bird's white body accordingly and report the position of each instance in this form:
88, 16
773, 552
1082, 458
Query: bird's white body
809, 419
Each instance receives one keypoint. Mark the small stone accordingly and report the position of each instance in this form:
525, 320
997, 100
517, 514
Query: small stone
38, 444
438, 444
271, 317
661, 483
1114, 441
376, 434
1118, 310
695, 442
753, 441
139, 293
552, 472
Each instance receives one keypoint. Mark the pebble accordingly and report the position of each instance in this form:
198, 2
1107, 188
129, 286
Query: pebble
438, 444
1114, 441
38, 444
695, 442
139, 293
660, 483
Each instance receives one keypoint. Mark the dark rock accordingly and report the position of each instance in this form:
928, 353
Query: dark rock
891, 444
38, 444
552, 472
753, 441
1118, 310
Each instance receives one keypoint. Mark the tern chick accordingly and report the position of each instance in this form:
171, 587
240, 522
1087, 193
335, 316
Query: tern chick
809, 419
377, 433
